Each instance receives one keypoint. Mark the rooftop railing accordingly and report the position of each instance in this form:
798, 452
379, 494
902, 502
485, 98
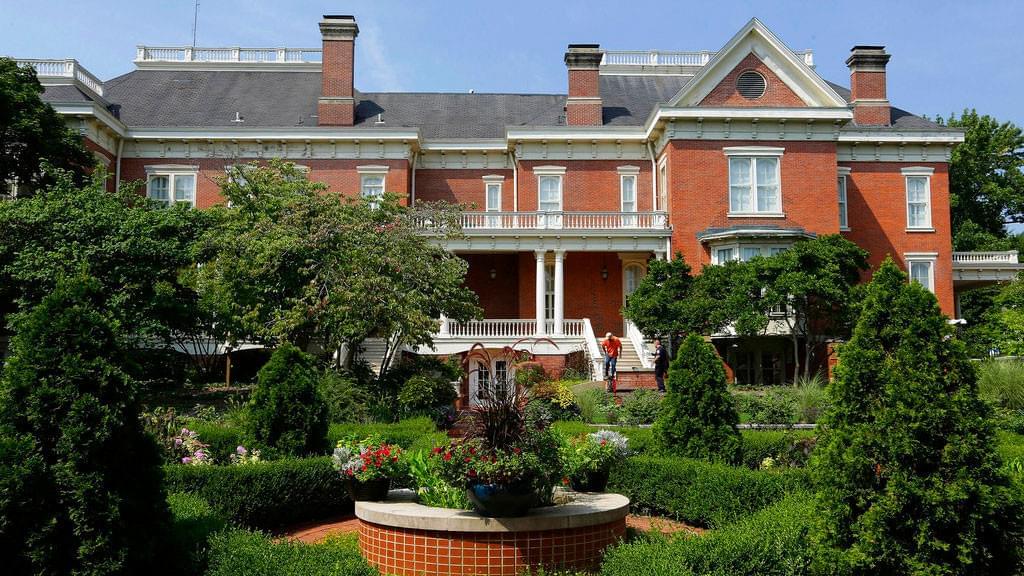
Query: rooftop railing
63, 68
224, 55
671, 58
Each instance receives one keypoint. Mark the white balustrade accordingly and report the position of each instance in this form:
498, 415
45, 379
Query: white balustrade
471, 221
505, 329
672, 58
1001, 257
66, 68
229, 54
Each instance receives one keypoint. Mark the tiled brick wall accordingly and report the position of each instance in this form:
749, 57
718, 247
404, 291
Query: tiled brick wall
462, 187
776, 93
499, 296
699, 191
339, 175
586, 185
409, 552
876, 193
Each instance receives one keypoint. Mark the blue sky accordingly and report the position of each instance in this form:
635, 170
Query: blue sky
946, 55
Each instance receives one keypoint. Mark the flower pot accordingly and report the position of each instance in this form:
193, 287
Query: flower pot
595, 481
369, 491
502, 500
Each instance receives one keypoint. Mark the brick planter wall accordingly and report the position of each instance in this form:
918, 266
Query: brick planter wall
411, 552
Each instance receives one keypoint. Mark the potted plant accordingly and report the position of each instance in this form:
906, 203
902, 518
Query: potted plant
367, 466
588, 459
498, 483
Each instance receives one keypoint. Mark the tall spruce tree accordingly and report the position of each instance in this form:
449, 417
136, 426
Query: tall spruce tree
80, 487
698, 416
286, 411
907, 478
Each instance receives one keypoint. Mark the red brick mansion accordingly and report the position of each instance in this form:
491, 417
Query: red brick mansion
715, 155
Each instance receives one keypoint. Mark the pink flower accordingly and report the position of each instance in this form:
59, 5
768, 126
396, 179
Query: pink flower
186, 460
241, 451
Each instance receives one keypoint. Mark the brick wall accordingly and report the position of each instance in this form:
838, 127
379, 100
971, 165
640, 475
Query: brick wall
339, 175
699, 191
499, 296
776, 93
110, 161
462, 186
876, 193
586, 185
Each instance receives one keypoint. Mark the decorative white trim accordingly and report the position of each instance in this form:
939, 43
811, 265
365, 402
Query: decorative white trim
623, 175
935, 137
902, 151
493, 181
917, 171
929, 258
921, 255
754, 151
919, 230
161, 169
844, 170
372, 169
549, 170
493, 178
755, 215
756, 38
628, 170
275, 134
172, 172
465, 145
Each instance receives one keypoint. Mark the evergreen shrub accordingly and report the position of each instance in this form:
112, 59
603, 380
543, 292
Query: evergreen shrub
286, 411
244, 553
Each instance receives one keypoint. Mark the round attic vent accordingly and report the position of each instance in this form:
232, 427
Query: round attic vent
750, 85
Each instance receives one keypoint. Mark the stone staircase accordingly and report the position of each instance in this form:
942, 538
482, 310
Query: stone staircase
631, 372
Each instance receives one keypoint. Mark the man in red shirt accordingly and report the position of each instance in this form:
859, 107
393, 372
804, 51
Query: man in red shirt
612, 346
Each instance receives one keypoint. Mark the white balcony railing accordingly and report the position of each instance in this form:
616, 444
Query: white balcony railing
488, 221
669, 58
66, 68
508, 329
232, 54
1001, 257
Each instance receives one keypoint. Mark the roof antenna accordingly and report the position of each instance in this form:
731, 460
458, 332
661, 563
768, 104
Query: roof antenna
195, 20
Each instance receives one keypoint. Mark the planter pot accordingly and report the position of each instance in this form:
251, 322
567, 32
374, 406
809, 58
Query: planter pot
590, 481
371, 491
502, 500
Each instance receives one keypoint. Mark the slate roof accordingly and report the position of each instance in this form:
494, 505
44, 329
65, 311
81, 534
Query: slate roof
192, 98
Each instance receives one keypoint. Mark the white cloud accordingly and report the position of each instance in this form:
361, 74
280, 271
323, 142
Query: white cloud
379, 68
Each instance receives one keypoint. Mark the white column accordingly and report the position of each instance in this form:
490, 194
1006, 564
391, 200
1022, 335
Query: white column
539, 289
559, 292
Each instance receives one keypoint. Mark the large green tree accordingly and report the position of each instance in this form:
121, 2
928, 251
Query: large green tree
131, 246
291, 262
986, 180
907, 478
80, 480
31, 131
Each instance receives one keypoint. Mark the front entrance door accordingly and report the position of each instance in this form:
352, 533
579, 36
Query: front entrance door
631, 276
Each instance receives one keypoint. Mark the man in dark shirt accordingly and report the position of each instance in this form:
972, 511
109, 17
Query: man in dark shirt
660, 364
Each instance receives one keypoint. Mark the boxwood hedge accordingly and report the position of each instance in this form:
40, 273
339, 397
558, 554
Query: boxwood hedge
244, 553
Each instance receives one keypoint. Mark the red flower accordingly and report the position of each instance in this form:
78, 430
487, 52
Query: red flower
604, 442
350, 472
437, 449
364, 468
468, 459
517, 451
565, 480
472, 473
447, 456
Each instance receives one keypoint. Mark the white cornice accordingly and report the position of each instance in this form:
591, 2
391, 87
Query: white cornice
91, 109
320, 134
575, 133
936, 137
468, 145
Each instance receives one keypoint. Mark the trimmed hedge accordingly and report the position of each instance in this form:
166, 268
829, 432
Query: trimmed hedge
403, 433
267, 495
761, 444
641, 440
701, 493
222, 439
244, 553
772, 542
194, 522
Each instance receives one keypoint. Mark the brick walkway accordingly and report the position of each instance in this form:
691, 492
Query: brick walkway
313, 532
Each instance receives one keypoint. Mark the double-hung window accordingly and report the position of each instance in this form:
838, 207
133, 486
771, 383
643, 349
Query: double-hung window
919, 198
628, 193
754, 181
492, 199
844, 220
549, 194
371, 182
921, 268
171, 185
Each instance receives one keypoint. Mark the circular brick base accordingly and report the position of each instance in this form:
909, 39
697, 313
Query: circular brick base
408, 539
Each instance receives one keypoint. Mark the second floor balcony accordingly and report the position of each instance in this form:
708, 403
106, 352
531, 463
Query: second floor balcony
496, 222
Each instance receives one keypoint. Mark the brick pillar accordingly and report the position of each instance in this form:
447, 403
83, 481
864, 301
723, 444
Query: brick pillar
583, 106
867, 85
336, 105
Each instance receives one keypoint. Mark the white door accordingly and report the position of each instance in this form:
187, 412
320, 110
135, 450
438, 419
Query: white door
631, 276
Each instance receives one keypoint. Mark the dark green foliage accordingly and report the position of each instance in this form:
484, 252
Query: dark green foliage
33, 131
773, 407
194, 522
641, 440
423, 394
80, 486
346, 400
242, 553
907, 476
772, 542
785, 447
403, 433
222, 439
267, 495
698, 416
641, 407
701, 493
286, 411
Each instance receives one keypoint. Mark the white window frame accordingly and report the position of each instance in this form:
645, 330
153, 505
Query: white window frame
928, 258
492, 181
662, 185
925, 173
765, 249
631, 173
753, 153
558, 172
172, 172
367, 172
842, 178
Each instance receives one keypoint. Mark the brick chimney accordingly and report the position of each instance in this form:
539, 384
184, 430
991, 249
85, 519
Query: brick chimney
583, 106
336, 105
867, 85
